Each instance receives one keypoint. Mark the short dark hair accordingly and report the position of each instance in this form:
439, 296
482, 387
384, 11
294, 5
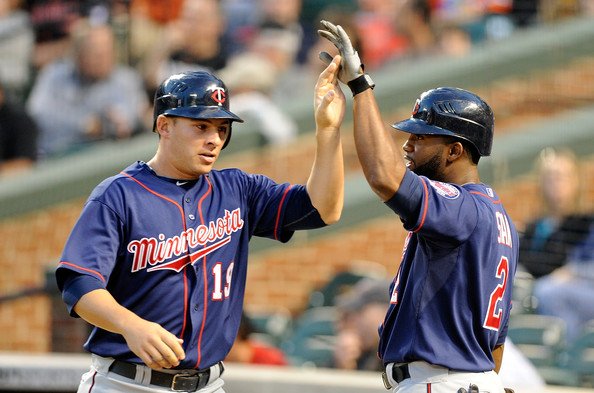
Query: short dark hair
469, 148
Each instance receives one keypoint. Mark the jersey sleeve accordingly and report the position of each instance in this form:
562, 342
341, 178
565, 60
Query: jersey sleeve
503, 330
279, 210
438, 211
90, 252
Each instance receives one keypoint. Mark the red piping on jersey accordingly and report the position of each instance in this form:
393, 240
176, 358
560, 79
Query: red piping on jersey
278, 213
205, 309
83, 269
496, 201
425, 207
93, 382
181, 212
181, 335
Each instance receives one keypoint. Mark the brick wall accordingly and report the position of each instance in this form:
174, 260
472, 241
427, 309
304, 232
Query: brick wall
282, 277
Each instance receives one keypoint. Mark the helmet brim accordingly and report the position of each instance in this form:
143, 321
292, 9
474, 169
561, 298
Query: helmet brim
204, 112
420, 127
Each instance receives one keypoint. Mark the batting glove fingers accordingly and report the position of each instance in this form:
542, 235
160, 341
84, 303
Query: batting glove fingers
351, 66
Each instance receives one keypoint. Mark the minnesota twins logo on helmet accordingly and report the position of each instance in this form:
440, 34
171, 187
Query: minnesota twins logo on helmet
416, 107
218, 95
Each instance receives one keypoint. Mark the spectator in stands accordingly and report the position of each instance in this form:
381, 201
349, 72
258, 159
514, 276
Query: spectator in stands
361, 311
305, 74
278, 36
88, 97
243, 17
468, 15
498, 21
16, 47
377, 26
311, 14
18, 137
567, 292
251, 78
415, 23
282, 18
525, 13
249, 350
147, 23
116, 13
52, 21
556, 10
193, 42
453, 41
548, 239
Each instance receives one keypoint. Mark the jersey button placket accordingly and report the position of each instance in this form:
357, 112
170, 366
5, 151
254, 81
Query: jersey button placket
187, 201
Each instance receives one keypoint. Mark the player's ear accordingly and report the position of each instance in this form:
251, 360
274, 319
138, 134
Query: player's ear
162, 126
455, 150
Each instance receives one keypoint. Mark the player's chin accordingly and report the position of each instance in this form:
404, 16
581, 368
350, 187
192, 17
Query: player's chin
200, 168
203, 169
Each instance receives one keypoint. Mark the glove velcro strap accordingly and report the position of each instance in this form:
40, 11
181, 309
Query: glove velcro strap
360, 84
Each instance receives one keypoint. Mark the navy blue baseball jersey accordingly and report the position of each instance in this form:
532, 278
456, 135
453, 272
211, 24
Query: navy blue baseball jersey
175, 253
451, 299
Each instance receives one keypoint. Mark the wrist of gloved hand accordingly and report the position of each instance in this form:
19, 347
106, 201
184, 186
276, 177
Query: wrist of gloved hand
360, 84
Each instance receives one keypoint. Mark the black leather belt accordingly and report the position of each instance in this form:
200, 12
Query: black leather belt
181, 382
399, 374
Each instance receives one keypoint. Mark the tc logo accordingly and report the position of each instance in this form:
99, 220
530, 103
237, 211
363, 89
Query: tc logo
218, 95
416, 107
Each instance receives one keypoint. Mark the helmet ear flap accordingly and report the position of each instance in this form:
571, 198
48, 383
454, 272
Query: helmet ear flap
228, 138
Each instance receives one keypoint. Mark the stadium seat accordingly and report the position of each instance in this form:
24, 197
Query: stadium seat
540, 338
523, 299
270, 325
311, 343
343, 280
579, 356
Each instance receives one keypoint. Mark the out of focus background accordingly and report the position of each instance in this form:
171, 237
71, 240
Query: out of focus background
76, 84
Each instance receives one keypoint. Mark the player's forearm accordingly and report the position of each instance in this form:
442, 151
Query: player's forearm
380, 158
498, 357
325, 185
100, 309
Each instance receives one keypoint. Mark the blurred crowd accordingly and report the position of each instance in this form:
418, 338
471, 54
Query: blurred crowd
74, 72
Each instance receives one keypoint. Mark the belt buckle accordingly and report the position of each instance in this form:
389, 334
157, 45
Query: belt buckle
386, 381
183, 382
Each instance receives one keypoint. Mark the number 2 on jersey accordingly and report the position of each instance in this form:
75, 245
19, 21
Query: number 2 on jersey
493, 317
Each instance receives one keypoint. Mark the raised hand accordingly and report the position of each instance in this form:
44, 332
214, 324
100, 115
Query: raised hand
329, 100
351, 64
351, 70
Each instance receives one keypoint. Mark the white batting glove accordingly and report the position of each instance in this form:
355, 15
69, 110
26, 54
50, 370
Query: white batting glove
351, 70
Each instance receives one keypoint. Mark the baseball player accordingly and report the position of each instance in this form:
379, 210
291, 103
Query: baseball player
157, 260
450, 301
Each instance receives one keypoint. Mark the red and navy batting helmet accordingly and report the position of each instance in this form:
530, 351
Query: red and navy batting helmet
454, 112
196, 95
